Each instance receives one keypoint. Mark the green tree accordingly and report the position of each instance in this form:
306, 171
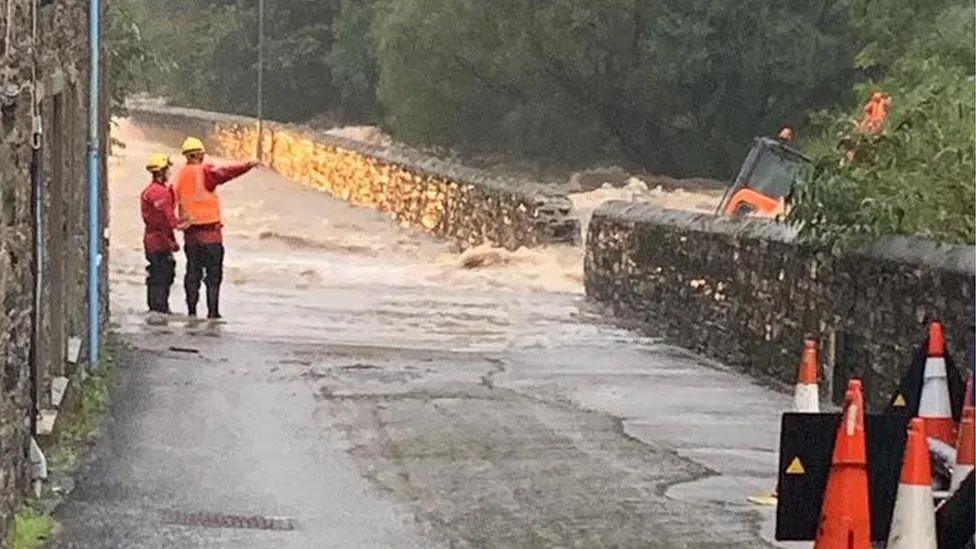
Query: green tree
673, 86
188, 34
213, 45
133, 63
352, 60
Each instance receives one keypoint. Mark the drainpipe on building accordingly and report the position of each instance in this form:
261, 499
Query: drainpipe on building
94, 179
37, 211
37, 195
37, 459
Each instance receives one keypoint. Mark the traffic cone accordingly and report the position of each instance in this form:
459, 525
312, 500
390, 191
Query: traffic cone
845, 517
935, 406
905, 400
806, 397
966, 450
913, 521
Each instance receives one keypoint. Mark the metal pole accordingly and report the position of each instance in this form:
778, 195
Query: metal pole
94, 179
260, 78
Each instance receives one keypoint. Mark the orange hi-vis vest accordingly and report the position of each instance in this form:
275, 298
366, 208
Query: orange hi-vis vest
198, 205
875, 114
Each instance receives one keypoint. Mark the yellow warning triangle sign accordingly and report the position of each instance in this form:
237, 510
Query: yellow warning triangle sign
796, 467
899, 401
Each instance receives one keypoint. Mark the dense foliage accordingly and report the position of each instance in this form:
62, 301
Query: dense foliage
678, 87
213, 48
672, 86
918, 176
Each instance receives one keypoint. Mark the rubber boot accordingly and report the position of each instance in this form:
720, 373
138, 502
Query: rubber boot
164, 300
192, 297
156, 295
213, 302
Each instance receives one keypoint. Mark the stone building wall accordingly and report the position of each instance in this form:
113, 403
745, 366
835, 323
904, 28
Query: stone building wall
450, 201
743, 292
60, 81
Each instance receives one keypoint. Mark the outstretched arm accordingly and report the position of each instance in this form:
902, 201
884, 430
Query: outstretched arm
219, 176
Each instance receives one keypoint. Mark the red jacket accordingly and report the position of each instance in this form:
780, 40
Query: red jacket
159, 215
198, 235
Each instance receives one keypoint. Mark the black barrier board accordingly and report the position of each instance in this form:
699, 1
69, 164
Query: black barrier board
955, 520
887, 435
806, 448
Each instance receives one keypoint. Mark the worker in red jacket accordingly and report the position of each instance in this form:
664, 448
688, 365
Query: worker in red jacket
203, 241
159, 242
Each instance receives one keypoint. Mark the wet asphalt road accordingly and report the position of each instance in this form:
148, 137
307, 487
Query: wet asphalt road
368, 391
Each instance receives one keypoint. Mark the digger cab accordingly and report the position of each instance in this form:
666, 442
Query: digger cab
765, 181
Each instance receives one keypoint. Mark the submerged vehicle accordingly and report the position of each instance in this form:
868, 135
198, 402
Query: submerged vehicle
764, 185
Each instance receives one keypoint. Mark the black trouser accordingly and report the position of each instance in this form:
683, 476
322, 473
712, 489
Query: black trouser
204, 262
160, 274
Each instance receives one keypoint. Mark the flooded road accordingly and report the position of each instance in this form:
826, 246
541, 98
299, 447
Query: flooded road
380, 390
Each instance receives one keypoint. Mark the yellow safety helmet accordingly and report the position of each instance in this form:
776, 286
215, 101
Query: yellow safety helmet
192, 145
158, 162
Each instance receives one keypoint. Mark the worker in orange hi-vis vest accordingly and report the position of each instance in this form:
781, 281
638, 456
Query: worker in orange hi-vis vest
875, 113
873, 118
203, 242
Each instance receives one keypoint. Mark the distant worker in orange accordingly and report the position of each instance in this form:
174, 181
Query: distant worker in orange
873, 118
203, 241
875, 114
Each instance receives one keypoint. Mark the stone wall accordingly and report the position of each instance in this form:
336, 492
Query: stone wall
60, 62
745, 293
450, 201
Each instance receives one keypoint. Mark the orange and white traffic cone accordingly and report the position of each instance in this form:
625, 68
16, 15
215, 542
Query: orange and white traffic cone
806, 397
913, 521
966, 449
845, 518
935, 406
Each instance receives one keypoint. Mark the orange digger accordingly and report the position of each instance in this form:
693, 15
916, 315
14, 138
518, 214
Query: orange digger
764, 184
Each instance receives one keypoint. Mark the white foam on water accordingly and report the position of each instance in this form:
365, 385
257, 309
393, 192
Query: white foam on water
637, 190
366, 134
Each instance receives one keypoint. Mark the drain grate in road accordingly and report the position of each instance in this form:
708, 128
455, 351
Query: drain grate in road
187, 350
218, 520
